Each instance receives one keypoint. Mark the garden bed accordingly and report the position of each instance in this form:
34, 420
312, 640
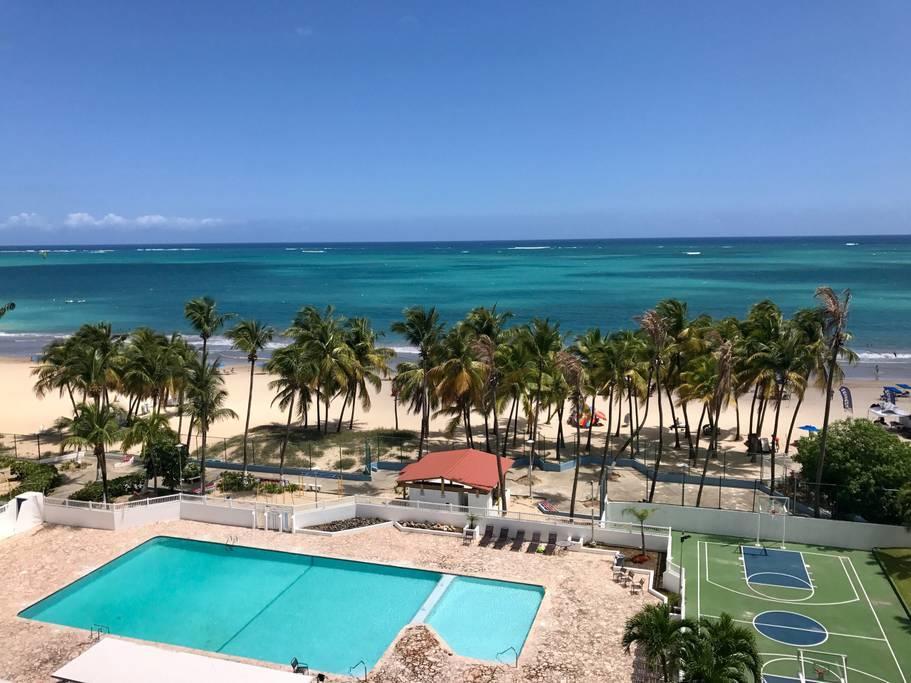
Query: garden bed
347, 524
654, 561
428, 526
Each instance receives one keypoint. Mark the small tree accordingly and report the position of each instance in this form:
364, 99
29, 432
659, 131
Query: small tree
659, 638
640, 514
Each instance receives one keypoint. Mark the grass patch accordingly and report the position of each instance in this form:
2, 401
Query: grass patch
896, 562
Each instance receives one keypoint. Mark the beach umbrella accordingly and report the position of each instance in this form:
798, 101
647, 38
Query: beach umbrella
809, 428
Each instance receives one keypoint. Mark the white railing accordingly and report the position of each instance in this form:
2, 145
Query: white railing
91, 505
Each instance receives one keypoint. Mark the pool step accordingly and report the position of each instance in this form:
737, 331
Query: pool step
433, 598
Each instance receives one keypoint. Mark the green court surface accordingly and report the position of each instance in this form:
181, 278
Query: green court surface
828, 613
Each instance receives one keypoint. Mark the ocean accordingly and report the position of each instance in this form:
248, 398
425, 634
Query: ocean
581, 284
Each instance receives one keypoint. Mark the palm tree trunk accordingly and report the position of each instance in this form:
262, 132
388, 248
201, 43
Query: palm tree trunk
708, 451
180, 414
830, 373
753, 409
775, 440
249, 407
737, 413
619, 411
103, 466
558, 446
572, 500
202, 462
353, 405
787, 445
591, 423
281, 458
660, 427
602, 478
319, 398
341, 415
395, 408
687, 432
670, 401
512, 408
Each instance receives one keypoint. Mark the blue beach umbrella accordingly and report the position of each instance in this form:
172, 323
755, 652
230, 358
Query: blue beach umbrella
809, 428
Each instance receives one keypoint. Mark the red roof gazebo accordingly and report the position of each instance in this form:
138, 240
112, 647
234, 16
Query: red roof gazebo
468, 467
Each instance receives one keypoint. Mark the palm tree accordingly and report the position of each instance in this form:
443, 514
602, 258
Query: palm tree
834, 312
641, 514
370, 363
207, 397
574, 375
659, 638
720, 651
655, 327
542, 340
488, 329
55, 371
6, 308
250, 337
422, 328
458, 380
292, 382
145, 431
96, 427
203, 316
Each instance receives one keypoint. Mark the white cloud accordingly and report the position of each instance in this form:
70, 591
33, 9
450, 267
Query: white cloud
81, 219
25, 219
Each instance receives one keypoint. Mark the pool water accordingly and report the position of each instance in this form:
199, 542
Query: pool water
273, 606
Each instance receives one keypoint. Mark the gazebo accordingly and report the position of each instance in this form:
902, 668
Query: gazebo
466, 477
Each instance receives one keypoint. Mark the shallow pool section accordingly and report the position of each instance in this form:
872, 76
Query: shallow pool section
483, 619
273, 606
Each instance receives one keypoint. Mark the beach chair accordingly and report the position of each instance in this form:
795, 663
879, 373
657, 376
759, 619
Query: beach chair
487, 538
618, 573
503, 539
551, 546
637, 587
906, 387
534, 543
518, 540
298, 668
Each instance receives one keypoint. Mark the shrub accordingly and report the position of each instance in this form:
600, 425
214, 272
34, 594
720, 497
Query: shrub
865, 464
237, 481
32, 477
119, 486
275, 487
346, 463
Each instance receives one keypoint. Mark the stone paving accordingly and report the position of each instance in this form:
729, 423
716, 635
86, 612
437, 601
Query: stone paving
575, 637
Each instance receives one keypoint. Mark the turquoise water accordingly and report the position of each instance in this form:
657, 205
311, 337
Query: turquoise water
500, 616
580, 283
268, 605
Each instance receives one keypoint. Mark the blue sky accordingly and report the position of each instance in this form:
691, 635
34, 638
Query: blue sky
160, 121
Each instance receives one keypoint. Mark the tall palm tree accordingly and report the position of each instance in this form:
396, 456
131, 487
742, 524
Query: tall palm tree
542, 341
458, 380
250, 337
487, 326
291, 384
203, 315
370, 363
654, 325
207, 397
720, 651
55, 371
422, 328
659, 638
96, 427
573, 372
834, 312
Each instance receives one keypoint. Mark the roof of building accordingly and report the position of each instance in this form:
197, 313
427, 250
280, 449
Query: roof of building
470, 467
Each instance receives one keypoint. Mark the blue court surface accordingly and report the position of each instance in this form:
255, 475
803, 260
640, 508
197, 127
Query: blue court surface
790, 628
771, 567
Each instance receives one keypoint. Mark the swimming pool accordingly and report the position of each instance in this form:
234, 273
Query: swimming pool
273, 606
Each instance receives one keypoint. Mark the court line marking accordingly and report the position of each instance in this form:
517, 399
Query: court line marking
850, 580
803, 562
795, 628
878, 623
824, 633
778, 657
755, 595
699, 581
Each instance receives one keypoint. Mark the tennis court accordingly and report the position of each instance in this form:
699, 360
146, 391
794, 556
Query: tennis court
819, 614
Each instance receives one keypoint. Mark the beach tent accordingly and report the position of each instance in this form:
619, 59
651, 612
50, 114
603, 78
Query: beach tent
809, 428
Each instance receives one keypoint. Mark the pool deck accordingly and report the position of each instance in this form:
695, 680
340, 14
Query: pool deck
575, 637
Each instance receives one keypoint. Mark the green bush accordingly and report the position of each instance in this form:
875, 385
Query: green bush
237, 481
866, 465
119, 486
346, 463
31, 476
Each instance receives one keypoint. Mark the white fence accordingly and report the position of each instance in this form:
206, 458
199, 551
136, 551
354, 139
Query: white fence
809, 530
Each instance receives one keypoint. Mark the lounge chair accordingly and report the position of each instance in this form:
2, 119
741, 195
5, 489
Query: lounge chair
298, 668
518, 540
487, 538
503, 539
906, 387
534, 543
546, 506
551, 546
637, 587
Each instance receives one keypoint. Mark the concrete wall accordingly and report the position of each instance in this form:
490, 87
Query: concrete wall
324, 515
217, 514
79, 516
401, 513
7, 519
129, 517
432, 494
833, 533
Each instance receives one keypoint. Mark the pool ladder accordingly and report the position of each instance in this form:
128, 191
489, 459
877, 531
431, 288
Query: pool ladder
515, 653
230, 542
352, 668
99, 630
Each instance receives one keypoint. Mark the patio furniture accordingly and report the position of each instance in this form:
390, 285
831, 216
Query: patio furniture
551, 546
488, 536
637, 587
518, 540
503, 539
535, 542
